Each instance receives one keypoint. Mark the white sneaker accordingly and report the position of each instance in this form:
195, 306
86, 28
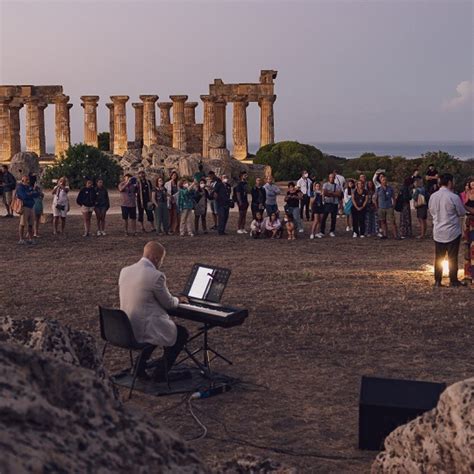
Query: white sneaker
239, 231
22, 242
301, 231
319, 235
332, 234
99, 233
103, 232
362, 236
311, 236
191, 234
354, 235
85, 234
244, 231
380, 235
348, 229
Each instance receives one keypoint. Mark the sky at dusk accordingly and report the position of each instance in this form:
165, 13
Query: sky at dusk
347, 70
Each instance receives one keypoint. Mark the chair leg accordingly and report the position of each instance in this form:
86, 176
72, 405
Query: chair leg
131, 359
135, 373
103, 350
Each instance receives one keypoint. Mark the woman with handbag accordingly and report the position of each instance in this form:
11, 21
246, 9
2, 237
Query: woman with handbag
145, 201
60, 205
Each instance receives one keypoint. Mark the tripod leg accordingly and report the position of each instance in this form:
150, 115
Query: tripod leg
216, 354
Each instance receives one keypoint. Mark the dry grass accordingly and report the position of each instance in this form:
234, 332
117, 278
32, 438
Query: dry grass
322, 313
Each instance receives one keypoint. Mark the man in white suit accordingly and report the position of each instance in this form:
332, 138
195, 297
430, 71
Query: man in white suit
145, 298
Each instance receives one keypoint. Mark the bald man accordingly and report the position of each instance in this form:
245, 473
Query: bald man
145, 298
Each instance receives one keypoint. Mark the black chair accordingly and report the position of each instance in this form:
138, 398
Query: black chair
116, 330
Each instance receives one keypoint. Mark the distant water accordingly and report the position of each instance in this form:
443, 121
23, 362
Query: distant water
461, 150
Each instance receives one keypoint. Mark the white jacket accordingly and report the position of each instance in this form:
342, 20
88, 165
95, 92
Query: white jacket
145, 298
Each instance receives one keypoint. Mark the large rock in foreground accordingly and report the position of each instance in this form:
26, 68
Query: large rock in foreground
58, 416
439, 441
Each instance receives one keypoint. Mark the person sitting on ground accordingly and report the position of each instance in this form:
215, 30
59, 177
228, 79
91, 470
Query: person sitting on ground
242, 200
259, 196
60, 205
317, 210
447, 209
26, 194
257, 226
145, 298
185, 207
8, 187
86, 200
420, 203
289, 223
271, 193
273, 228
293, 198
102, 205
145, 201
385, 197
127, 188
201, 197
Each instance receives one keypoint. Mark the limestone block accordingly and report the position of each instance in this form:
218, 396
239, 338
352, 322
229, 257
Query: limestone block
219, 153
24, 163
441, 440
217, 140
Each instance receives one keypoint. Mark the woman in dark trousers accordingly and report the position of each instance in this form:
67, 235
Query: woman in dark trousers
405, 215
201, 196
360, 199
102, 205
161, 200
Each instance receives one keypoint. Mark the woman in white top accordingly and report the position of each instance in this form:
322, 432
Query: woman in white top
60, 205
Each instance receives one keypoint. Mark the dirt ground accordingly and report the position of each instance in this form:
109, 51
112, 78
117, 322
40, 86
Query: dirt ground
322, 314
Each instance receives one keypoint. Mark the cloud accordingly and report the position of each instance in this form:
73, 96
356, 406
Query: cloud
465, 91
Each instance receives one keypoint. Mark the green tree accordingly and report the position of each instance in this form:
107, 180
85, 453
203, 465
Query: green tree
104, 141
82, 161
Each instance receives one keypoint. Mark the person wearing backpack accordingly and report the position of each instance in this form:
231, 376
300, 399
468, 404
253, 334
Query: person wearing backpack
27, 195
8, 188
421, 206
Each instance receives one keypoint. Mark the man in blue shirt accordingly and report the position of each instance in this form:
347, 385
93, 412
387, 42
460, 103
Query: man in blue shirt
27, 195
385, 203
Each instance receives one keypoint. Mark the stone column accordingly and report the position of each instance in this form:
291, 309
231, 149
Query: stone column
165, 116
208, 122
179, 128
220, 114
239, 126
149, 120
62, 125
120, 123
267, 128
190, 113
90, 119
69, 107
15, 140
32, 126
41, 107
138, 106
110, 106
5, 137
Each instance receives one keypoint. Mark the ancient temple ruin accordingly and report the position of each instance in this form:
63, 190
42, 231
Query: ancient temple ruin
177, 126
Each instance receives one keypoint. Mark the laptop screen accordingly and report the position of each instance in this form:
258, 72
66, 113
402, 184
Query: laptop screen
206, 282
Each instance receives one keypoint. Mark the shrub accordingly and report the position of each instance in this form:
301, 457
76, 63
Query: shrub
80, 161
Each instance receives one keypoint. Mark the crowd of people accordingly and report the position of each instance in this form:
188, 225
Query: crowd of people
183, 206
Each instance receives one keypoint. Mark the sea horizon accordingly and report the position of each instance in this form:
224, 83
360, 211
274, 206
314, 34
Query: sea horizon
463, 150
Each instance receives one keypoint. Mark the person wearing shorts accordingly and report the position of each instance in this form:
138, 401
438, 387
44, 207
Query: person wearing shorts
128, 188
86, 200
317, 211
27, 196
385, 197
60, 205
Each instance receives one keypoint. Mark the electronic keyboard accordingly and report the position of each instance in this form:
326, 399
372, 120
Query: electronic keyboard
213, 314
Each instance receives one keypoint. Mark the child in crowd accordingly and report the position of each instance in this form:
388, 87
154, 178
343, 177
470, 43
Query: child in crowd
289, 223
317, 208
257, 226
273, 228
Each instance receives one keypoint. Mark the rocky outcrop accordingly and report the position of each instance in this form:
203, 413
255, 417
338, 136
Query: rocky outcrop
59, 414
25, 163
441, 440
252, 465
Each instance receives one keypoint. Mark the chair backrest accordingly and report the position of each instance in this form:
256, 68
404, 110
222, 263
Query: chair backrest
115, 328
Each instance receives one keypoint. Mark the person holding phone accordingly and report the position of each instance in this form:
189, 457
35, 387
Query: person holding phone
127, 188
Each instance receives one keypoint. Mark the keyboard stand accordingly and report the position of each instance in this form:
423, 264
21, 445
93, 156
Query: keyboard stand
209, 353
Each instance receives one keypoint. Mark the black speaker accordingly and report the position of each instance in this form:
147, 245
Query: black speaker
386, 404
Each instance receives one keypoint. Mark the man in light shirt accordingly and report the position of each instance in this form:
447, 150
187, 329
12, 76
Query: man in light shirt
305, 185
271, 192
446, 208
